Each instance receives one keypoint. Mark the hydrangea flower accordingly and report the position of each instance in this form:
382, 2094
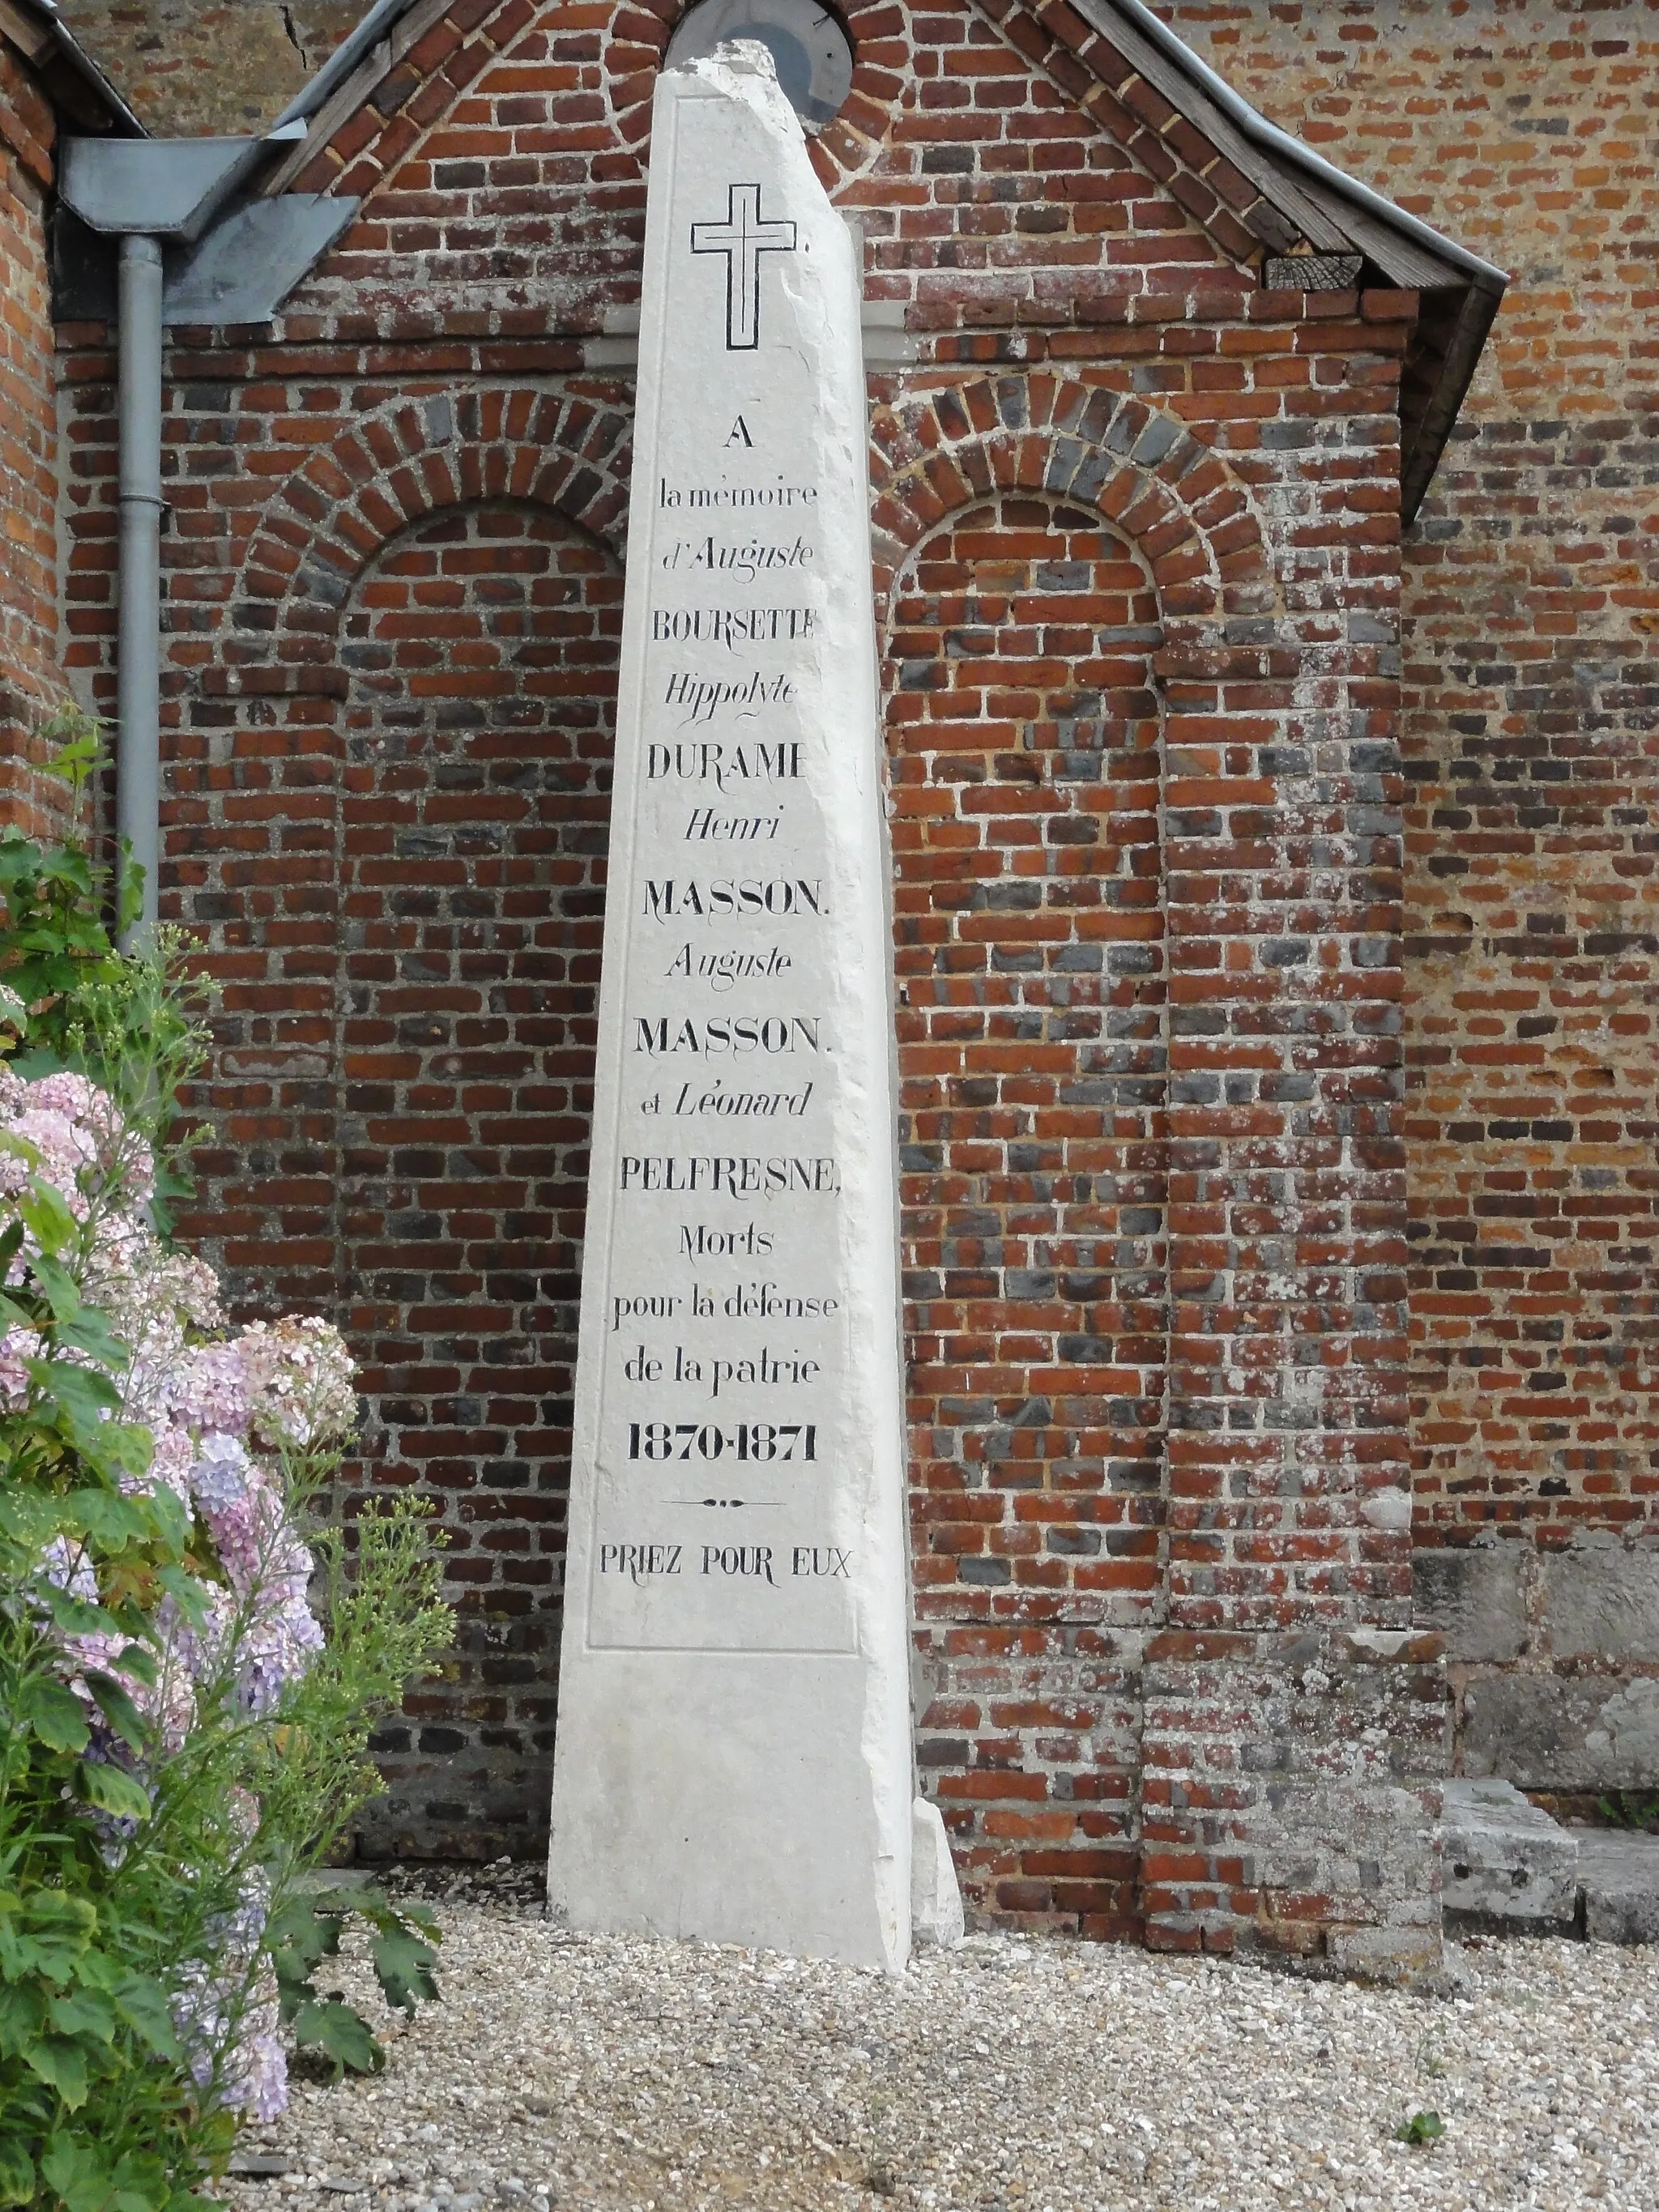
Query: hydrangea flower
209, 1388
301, 1377
254, 2078
223, 1409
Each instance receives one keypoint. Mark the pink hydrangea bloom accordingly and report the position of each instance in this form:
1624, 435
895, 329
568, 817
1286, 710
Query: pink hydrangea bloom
224, 1411
209, 1388
301, 1375
16, 1346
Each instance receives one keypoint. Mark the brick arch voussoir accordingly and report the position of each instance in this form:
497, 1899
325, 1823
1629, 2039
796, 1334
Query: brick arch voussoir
391, 470
636, 39
1193, 521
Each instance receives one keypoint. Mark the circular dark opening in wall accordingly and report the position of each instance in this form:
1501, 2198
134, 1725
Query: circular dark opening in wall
809, 47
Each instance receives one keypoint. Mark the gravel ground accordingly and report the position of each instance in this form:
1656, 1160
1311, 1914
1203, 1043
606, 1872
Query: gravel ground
601, 2075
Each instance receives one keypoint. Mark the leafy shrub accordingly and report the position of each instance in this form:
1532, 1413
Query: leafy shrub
190, 1660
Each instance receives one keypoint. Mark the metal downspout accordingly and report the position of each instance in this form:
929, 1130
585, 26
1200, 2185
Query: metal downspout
138, 673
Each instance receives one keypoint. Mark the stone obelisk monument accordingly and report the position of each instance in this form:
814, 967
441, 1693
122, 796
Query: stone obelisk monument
734, 1757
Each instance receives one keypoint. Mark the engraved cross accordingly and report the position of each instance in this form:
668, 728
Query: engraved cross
743, 238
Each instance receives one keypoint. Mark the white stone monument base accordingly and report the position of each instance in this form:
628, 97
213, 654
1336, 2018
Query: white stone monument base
750, 1828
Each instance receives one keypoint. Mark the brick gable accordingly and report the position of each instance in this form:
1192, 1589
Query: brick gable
1148, 925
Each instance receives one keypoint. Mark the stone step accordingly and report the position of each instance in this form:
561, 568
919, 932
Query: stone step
1504, 1864
1618, 1875
1507, 1868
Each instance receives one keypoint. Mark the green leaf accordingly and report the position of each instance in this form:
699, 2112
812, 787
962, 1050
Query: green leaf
118, 1709
342, 2033
167, 1507
83, 2012
97, 1970
90, 1332
143, 2005
112, 1522
16, 2174
62, 2065
302, 1932
377, 1908
30, 1520
54, 1909
144, 2183
27, 1954
52, 1225
74, 760
113, 1790
403, 1963
81, 1395
56, 1715
130, 884
191, 1596
22, 2016
78, 2173
62, 1291
73, 1616
138, 1660
1421, 2128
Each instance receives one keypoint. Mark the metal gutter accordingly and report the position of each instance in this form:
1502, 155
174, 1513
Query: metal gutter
180, 194
170, 188
1256, 126
138, 666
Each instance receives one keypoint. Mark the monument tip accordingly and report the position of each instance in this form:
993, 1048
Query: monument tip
745, 58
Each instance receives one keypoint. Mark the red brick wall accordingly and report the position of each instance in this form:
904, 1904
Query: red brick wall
1275, 1467
1531, 734
1151, 1045
30, 684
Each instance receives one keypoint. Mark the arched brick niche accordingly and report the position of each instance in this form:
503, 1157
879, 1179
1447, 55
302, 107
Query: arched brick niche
480, 648
1022, 729
637, 38
390, 829
1189, 517
253, 821
1080, 597
403, 462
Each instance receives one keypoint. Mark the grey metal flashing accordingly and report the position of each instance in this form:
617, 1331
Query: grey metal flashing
248, 264
167, 188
